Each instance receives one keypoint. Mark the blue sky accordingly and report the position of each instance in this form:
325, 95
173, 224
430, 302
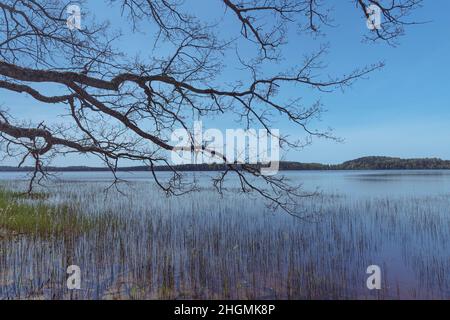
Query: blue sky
402, 110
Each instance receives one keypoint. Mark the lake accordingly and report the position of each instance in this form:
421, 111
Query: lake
349, 182
140, 244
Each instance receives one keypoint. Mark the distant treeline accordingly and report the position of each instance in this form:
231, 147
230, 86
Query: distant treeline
366, 163
380, 163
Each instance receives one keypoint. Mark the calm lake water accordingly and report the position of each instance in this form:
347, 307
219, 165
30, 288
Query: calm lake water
365, 183
203, 245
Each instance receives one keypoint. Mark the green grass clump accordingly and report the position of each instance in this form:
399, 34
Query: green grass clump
37, 217
26, 196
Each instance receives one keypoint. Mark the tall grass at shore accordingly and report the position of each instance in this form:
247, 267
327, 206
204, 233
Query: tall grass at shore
31, 215
203, 246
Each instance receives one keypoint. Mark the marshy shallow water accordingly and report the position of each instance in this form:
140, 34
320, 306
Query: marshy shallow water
143, 245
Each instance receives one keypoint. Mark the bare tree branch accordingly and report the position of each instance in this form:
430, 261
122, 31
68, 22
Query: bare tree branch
124, 109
